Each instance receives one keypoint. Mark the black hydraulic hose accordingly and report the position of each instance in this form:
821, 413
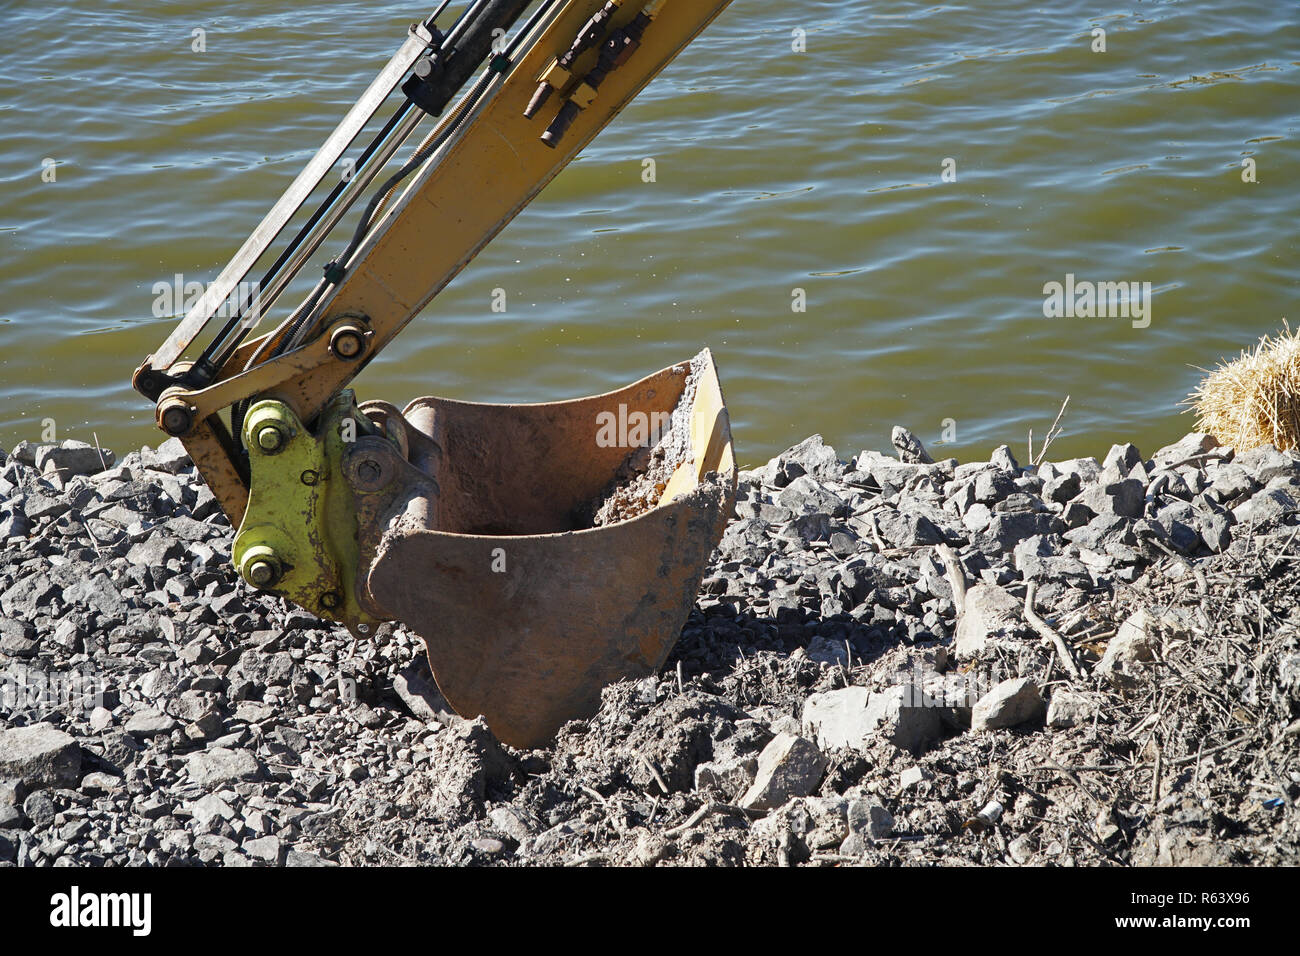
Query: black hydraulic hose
477, 46
216, 354
460, 64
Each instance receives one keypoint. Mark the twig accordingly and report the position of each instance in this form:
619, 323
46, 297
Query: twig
102, 460
1049, 633
956, 576
700, 814
654, 772
1052, 434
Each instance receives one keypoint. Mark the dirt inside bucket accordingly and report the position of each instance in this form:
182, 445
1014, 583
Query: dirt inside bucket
640, 481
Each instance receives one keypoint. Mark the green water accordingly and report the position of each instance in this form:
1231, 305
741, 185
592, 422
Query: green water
776, 171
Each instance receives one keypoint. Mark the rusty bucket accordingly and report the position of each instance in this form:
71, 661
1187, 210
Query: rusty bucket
529, 599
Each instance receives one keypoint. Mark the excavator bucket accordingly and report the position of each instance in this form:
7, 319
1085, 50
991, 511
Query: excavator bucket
544, 551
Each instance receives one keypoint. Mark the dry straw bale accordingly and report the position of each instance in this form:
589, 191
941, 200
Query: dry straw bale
1255, 399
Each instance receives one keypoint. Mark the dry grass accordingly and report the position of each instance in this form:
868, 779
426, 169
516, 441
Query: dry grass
1255, 399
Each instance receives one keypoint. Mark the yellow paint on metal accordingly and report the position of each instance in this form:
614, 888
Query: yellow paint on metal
300, 515
489, 172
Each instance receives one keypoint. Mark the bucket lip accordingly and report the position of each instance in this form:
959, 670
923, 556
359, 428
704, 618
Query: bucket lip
705, 354
726, 481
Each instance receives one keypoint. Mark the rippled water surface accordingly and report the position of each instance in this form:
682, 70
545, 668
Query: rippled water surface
776, 171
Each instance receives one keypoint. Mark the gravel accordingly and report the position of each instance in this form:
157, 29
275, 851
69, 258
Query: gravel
836, 697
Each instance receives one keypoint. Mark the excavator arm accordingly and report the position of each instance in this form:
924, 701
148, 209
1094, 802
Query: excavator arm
541, 551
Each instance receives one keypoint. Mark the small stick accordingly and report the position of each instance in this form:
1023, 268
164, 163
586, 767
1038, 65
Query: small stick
102, 460
699, 815
1048, 633
681, 685
875, 533
594, 794
1052, 433
1158, 769
654, 772
956, 576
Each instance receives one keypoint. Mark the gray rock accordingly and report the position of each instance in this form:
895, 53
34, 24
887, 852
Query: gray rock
1061, 489
869, 818
12, 792
1265, 463
1085, 469
25, 452
1267, 505
1003, 459
907, 530
40, 809
1007, 528
852, 716
39, 507
788, 767
159, 683
1060, 569
1123, 498
100, 783
72, 457
1008, 704
1104, 534
913, 777
989, 612
209, 808
17, 638
264, 848
155, 551
170, 457
511, 822
977, 517
909, 447
1136, 642
1123, 458
220, 766
150, 723
730, 777
40, 756
14, 524
1189, 446
993, 485
1070, 709
1230, 483
487, 846
812, 456
300, 858
1215, 528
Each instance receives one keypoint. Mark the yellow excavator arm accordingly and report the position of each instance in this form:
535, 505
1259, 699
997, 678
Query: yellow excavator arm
541, 551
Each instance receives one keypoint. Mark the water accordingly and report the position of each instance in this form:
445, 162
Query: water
776, 171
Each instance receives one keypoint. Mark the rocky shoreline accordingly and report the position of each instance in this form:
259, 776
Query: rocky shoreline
890, 662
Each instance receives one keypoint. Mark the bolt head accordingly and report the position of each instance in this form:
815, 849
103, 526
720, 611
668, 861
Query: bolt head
270, 439
263, 572
177, 420
347, 343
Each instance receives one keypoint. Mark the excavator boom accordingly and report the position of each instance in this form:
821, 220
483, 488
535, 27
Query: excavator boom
539, 553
